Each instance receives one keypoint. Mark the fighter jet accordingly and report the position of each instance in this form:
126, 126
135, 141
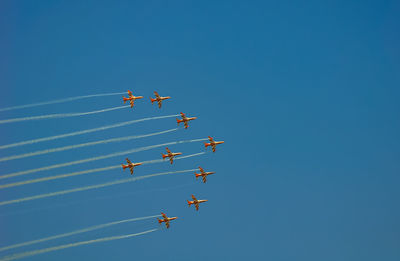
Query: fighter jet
166, 219
185, 120
158, 99
203, 174
196, 202
212, 143
131, 98
170, 155
130, 165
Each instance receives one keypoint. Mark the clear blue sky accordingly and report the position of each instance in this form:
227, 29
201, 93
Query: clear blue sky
304, 93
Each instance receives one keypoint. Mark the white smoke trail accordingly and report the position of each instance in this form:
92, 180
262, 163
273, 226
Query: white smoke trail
126, 123
111, 183
58, 101
80, 231
80, 243
25, 172
70, 147
61, 115
25, 182
61, 176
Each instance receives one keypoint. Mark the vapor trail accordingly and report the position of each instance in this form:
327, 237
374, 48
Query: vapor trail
17, 144
61, 176
111, 183
58, 101
80, 243
80, 231
70, 147
25, 182
25, 172
61, 115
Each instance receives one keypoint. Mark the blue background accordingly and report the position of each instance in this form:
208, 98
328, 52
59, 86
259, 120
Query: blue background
305, 95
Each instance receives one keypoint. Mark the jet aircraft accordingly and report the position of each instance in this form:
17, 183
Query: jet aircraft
203, 174
131, 98
212, 143
158, 99
130, 165
196, 202
170, 155
185, 120
166, 219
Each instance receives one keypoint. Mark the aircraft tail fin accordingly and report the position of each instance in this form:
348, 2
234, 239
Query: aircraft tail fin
152, 100
189, 203
206, 144
124, 99
164, 156
159, 221
178, 121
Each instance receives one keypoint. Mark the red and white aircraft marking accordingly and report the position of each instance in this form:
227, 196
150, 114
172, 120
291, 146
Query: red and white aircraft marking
166, 219
130, 165
196, 202
203, 174
159, 99
131, 98
185, 120
170, 155
212, 143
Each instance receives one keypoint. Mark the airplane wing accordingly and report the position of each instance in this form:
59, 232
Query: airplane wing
171, 159
183, 115
194, 198
132, 103
186, 124
167, 223
169, 152
213, 147
201, 170
156, 94
196, 205
131, 169
127, 160
204, 179
130, 93
210, 139
164, 216
159, 104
